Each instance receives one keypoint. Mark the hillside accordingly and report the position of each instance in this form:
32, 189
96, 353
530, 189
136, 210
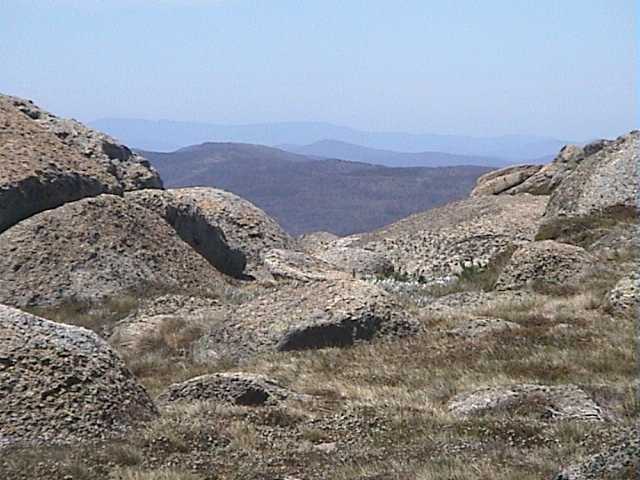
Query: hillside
389, 158
306, 194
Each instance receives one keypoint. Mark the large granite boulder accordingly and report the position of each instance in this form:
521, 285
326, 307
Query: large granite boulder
39, 171
194, 227
94, 248
302, 316
60, 383
602, 190
246, 227
545, 263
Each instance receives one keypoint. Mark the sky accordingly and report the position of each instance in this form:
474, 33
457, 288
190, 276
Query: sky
562, 68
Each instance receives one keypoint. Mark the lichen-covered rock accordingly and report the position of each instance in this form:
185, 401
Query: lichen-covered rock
39, 171
560, 402
356, 260
301, 316
94, 248
603, 189
237, 388
546, 263
438, 244
194, 227
60, 383
246, 227
501, 181
624, 298
618, 460
131, 171
291, 265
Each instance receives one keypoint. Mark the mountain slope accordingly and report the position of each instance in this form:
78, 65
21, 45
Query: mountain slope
389, 158
307, 195
165, 135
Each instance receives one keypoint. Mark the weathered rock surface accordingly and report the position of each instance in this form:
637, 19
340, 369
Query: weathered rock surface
545, 263
440, 243
602, 189
62, 384
131, 171
308, 316
564, 402
624, 298
39, 171
356, 260
237, 388
94, 248
246, 227
291, 265
618, 461
482, 327
503, 180
312, 242
194, 227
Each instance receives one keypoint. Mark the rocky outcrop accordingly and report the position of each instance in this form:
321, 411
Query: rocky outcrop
62, 384
312, 242
237, 388
194, 227
619, 460
130, 170
246, 227
439, 244
562, 402
546, 263
602, 190
94, 248
308, 316
624, 298
503, 180
356, 260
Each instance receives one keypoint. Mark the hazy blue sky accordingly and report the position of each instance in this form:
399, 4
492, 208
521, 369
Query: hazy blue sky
566, 68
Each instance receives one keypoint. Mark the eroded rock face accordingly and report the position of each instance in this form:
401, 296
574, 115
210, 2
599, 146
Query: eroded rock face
39, 171
438, 244
62, 384
130, 170
503, 180
564, 402
308, 316
194, 227
246, 227
603, 189
546, 263
93, 248
237, 388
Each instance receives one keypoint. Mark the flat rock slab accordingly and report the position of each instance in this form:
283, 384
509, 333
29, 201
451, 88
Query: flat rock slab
237, 388
481, 327
550, 402
60, 383
94, 248
291, 265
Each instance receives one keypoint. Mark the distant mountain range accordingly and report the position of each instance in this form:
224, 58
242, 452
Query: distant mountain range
308, 194
389, 158
167, 135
